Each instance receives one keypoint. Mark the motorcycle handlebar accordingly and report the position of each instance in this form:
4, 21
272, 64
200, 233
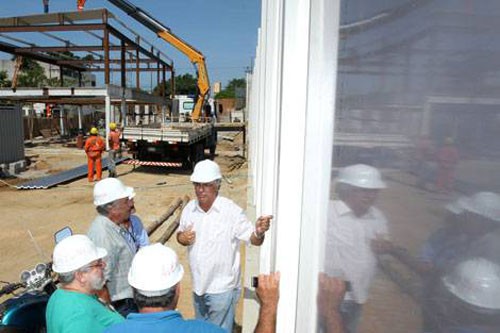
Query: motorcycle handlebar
10, 288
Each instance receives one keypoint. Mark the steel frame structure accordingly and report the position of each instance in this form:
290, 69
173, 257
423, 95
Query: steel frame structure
114, 51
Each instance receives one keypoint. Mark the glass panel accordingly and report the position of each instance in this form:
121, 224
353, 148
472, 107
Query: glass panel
414, 217
188, 106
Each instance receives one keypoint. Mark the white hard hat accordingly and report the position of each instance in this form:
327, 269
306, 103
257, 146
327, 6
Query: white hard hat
74, 252
486, 204
477, 282
361, 175
111, 189
206, 171
155, 268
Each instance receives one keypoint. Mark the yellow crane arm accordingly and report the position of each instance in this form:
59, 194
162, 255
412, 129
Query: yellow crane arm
198, 60
195, 56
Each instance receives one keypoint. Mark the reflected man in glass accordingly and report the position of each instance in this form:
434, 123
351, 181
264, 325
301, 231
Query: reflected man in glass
357, 231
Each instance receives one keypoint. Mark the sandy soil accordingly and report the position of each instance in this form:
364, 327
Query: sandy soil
31, 217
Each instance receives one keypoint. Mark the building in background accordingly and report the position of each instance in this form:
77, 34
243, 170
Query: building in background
11, 140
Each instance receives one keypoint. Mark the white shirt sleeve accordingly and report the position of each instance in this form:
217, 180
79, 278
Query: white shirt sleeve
242, 227
185, 221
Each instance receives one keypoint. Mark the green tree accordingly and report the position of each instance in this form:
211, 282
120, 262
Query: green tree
235, 89
185, 84
31, 74
4, 82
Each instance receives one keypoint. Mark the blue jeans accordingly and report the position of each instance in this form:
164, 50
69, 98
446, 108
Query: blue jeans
350, 312
218, 309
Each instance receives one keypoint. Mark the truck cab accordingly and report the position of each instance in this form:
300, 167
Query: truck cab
182, 107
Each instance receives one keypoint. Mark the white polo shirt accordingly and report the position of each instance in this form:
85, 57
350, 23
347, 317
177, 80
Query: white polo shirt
214, 258
348, 247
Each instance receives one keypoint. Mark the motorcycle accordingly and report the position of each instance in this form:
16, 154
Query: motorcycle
25, 310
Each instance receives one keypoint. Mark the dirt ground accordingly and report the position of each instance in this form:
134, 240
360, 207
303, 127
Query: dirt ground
31, 217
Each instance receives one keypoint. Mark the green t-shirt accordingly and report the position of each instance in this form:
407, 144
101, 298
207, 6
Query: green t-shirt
74, 312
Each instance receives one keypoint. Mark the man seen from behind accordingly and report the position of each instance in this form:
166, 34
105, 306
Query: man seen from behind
155, 277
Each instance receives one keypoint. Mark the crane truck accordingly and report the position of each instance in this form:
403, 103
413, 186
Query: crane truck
172, 143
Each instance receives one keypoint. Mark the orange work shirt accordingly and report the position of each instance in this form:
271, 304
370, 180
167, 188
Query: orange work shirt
114, 139
94, 146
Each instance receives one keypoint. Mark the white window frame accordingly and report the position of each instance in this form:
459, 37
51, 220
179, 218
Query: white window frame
291, 139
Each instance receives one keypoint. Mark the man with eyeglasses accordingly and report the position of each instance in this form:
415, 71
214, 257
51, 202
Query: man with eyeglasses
74, 307
114, 203
213, 227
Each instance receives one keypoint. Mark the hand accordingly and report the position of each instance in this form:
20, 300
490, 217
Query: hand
268, 293
262, 225
382, 246
268, 290
187, 237
331, 292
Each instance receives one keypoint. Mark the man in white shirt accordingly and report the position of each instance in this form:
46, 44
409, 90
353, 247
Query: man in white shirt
356, 232
213, 227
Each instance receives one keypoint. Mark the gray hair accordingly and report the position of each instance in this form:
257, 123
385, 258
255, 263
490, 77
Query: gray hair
104, 209
218, 182
67, 278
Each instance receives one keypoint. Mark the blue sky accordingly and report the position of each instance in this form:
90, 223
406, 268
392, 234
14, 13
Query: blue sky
225, 31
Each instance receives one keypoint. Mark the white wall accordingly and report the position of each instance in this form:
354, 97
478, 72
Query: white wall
291, 132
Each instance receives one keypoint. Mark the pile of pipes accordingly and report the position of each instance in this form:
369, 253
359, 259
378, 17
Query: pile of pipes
173, 214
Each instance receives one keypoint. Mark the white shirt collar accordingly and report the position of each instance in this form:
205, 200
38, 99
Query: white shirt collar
216, 206
343, 209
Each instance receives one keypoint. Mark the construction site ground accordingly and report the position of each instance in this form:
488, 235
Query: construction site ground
30, 218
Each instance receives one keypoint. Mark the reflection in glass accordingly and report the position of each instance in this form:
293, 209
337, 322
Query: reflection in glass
418, 100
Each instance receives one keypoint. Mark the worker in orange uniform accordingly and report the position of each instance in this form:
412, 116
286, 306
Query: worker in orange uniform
114, 148
80, 4
94, 146
447, 158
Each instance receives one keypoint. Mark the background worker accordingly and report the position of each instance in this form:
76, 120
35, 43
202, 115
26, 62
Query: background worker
424, 162
114, 148
74, 307
94, 146
447, 158
213, 227
114, 204
355, 234
155, 276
